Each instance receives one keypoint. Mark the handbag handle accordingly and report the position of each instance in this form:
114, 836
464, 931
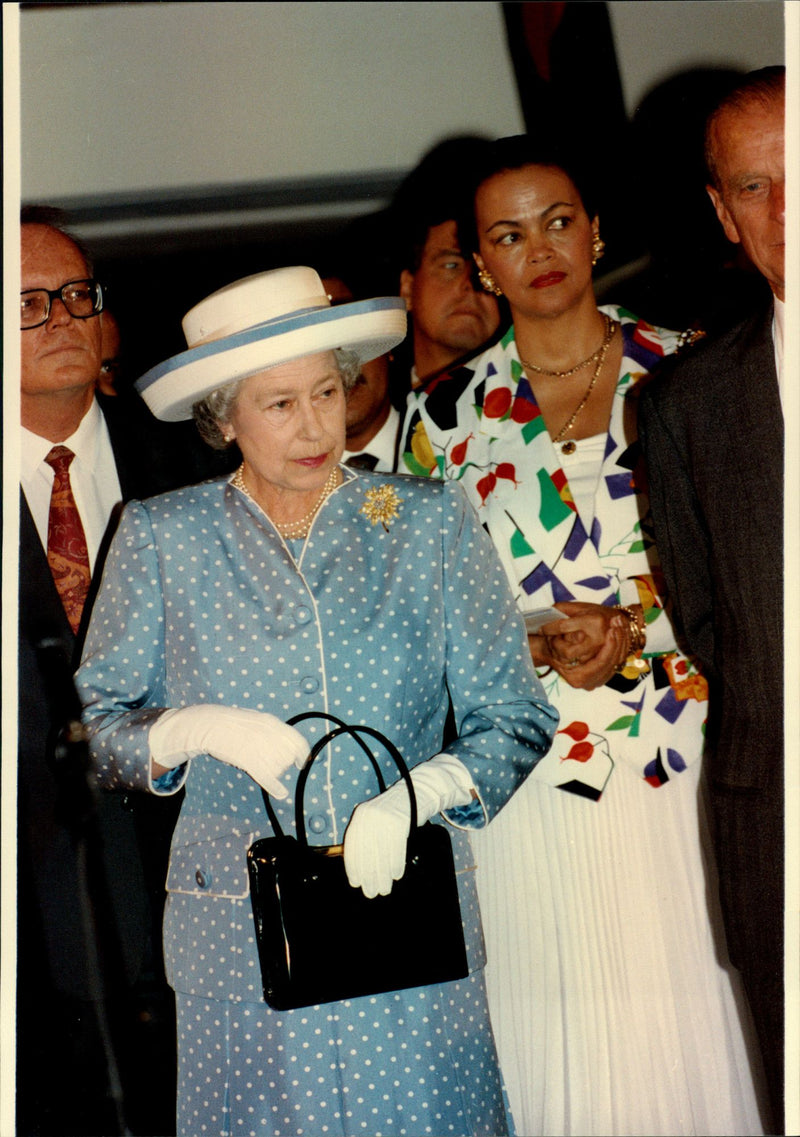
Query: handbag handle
340, 723
355, 732
331, 718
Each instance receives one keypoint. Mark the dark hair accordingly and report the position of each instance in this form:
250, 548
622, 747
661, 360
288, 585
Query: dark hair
435, 191
764, 87
513, 153
54, 218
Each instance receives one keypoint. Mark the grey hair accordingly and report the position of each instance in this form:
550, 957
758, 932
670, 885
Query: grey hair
218, 406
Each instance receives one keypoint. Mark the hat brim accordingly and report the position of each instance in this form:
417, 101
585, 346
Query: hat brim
368, 328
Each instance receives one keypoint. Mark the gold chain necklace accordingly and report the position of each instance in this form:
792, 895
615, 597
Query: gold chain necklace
610, 327
570, 447
293, 530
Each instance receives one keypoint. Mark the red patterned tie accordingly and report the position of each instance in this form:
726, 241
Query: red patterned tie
67, 554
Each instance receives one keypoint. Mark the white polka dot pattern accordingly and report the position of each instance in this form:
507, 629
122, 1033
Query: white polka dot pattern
202, 602
413, 1062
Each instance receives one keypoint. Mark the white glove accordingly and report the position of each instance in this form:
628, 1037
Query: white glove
376, 836
254, 741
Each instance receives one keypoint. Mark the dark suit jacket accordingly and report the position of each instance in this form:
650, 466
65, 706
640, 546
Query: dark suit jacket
712, 430
127, 874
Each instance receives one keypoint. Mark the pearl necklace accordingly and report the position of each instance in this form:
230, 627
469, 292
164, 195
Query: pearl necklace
610, 328
293, 530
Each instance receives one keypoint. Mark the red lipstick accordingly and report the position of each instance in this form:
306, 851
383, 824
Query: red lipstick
313, 463
547, 279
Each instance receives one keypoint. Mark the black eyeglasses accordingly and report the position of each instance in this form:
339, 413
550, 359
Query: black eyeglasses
81, 298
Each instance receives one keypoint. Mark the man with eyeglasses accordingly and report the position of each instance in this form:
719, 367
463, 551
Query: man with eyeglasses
81, 455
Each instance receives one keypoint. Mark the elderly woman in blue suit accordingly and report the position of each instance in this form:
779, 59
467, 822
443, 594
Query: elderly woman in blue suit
298, 585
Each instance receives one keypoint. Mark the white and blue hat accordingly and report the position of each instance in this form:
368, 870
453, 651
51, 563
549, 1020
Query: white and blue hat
259, 322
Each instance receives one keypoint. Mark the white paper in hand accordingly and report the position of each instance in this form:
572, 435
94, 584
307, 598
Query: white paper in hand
536, 620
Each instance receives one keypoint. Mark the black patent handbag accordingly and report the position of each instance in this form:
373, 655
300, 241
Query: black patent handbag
320, 940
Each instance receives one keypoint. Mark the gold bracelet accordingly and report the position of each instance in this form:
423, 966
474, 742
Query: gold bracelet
636, 635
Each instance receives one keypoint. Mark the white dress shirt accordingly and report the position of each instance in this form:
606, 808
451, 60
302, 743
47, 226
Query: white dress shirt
93, 476
778, 325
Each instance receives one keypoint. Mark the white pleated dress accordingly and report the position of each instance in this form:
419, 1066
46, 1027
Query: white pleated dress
613, 1009
612, 1012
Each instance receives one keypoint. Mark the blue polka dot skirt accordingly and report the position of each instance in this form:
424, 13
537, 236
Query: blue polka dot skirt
413, 1062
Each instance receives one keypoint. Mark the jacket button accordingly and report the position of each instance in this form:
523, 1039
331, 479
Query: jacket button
203, 879
317, 823
302, 614
310, 684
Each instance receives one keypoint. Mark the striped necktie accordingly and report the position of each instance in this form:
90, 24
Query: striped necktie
67, 553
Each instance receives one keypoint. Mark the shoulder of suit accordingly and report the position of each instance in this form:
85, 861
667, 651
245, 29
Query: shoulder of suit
712, 357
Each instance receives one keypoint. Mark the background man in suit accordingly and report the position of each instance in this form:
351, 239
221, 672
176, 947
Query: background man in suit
451, 316
119, 451
111, 347
712, 430
373, 419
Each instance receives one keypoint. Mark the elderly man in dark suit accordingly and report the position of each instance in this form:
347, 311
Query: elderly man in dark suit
712, 430
81, 455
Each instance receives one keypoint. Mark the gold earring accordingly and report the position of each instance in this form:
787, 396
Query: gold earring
598, 248
488, 283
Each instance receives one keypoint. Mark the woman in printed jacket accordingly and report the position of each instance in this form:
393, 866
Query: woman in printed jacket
612, 1004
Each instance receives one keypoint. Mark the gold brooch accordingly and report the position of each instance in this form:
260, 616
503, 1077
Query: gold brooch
381, 505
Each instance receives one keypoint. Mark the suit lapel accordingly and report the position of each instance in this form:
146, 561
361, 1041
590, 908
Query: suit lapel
756, 413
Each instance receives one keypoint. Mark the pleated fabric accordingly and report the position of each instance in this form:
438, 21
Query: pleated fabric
613, 1007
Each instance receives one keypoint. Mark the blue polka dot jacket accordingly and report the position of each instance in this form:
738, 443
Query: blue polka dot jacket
394, 606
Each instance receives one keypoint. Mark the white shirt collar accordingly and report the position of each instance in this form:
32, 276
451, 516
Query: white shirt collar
83, 443
382, 445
